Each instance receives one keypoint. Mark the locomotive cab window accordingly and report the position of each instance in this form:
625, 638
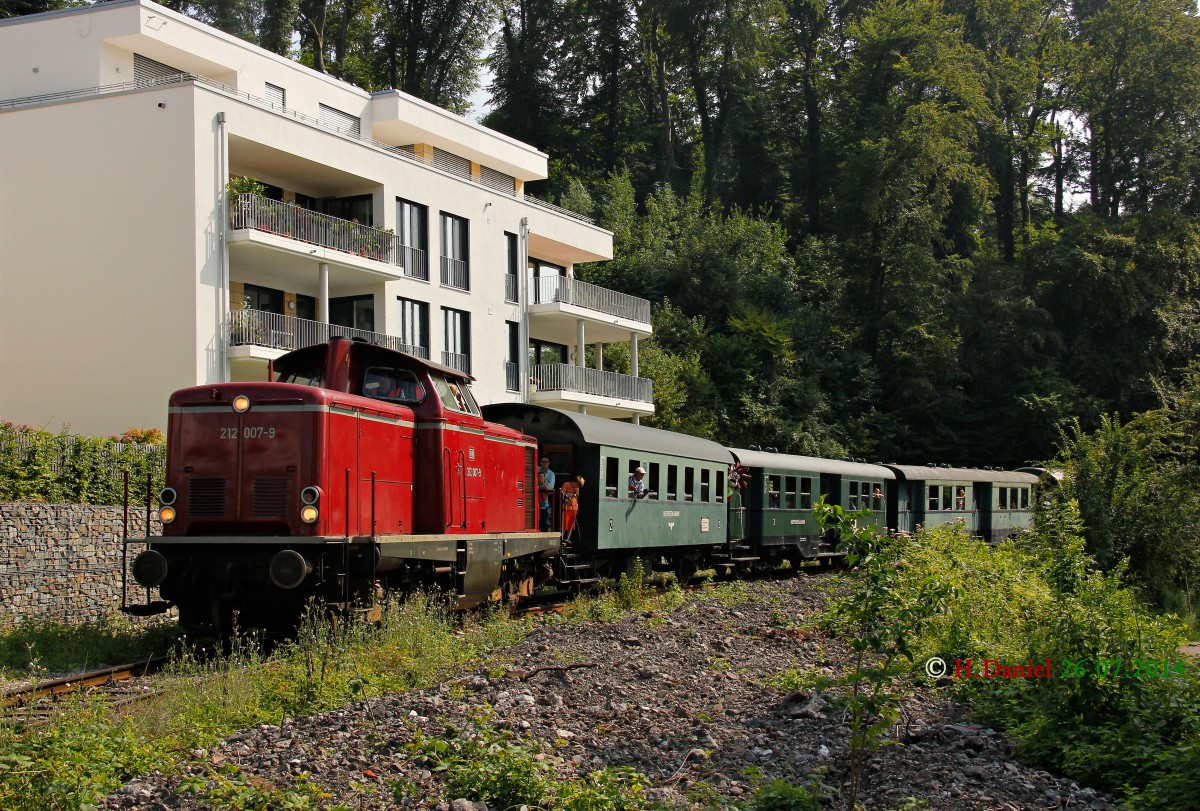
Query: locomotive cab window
455, 396
399, 385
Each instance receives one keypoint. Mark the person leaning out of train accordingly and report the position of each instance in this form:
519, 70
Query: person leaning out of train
637, 487
545, 488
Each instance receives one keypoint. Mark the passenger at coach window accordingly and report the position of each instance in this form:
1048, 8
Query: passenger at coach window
637, 487
960, 499
877, 498
545, 488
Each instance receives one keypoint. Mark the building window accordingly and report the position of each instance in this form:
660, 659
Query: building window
306, 307
413, 221
456, 339
339, 121
359, 209
497, 180
455, 255
512, 367
263, 299
356, 312
511, 263
547, 281
276, 96
414, 327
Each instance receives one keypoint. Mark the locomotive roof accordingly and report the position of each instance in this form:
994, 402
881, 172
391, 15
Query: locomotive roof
600, 431
970, 474
787, 461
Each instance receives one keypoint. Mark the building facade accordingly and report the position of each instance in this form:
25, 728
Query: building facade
178, 207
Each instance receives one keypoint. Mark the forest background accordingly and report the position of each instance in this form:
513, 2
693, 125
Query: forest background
901, 230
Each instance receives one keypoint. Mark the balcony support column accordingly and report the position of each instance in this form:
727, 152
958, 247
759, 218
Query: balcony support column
580, 352
600, 356
323, 287
633, 366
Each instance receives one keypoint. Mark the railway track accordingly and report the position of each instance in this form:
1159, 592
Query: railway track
120, 685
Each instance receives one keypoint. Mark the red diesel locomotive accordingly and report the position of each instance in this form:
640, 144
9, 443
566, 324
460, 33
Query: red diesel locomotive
358, 469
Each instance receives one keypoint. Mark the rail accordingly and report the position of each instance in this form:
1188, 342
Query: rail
510, 287
463, 172
457, 361
512, 376
259, 213
582, 380
276, 331
456, 273
565, 290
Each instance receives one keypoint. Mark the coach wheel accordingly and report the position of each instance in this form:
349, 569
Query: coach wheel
685, 570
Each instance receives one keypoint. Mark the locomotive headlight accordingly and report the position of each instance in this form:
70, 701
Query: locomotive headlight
308, 514
167, 496
150, 569
310, 495
166, 514
241, 404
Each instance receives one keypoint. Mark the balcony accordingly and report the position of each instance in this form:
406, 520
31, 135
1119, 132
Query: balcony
252, 212
605, 394
256, 337
558, 303
456, 273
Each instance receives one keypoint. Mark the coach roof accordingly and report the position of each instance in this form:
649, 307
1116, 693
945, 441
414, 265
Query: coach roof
787, 461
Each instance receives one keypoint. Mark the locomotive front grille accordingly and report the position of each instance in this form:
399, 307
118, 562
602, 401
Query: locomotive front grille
271, 496
206, 496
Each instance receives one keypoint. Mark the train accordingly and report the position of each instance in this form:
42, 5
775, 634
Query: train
357, 470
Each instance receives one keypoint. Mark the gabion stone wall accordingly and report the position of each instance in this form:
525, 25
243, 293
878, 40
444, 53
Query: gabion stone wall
62, 562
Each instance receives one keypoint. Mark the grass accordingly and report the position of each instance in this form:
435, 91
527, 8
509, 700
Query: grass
89, 750
30, 649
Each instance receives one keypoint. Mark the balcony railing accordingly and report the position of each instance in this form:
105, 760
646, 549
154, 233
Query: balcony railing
416, 262
275, 331
510, 287
563, 289
582, 380
456, 273
456, 361
291, 221
512, 376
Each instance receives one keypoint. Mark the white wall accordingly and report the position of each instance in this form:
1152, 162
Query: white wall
97, 276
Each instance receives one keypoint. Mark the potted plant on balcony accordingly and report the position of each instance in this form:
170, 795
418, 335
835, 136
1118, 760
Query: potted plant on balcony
240, 208
246, 326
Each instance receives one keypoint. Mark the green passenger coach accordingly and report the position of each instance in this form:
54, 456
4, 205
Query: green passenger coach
781, 490
681, 515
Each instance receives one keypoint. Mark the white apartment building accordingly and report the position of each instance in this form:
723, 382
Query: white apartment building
133, 261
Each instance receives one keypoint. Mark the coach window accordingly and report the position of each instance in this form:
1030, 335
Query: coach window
612, 466
1024, 498
805, 493
934, 498
705, 489
672, 482
852, 502
789, 493
720, 486
1003, 497
960, 498
947, 498
876, 497
774, 484
689, 484
652, 481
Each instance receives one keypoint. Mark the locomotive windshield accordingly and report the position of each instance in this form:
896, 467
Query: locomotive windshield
305, 367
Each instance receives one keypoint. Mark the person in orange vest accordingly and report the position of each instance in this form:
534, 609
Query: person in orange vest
570, 497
